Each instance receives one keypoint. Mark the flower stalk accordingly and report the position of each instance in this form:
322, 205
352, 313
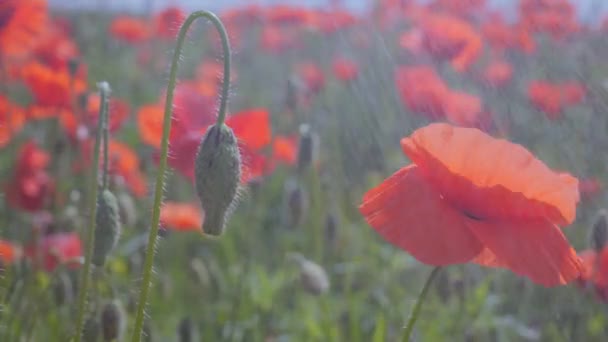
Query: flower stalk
104, 90
416, 311
153, 234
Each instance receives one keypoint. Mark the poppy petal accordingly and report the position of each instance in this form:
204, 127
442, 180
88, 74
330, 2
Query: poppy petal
536, 249
491, 178
407, 212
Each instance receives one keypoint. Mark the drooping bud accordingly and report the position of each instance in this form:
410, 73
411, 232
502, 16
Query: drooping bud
295, 203
307, 147
187, 331
217, 170
108, 228
113, 321
599, 231
312, 276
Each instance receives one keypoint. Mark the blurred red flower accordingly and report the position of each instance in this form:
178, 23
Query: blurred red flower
312, 76
498, 73
31, 186
468, 197
168, 21
553, 97
181, 216
12, 119
345, 69
129, 29
50, 87
595, 272
9, 253
21, 23
57, 249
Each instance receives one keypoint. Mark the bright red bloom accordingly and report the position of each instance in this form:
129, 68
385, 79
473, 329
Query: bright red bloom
31, 186
452, 38
168, 21
51, 88
556, 17
468, 197
552, 98
181, 216
9, 253
56, 249
129, 29
278, 39
502, 36
21, 23
285, 149
312, 75
12, 119
252, 127
55, 48
345, 69
421, 90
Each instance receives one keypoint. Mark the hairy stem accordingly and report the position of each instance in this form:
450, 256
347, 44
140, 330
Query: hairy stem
150, 249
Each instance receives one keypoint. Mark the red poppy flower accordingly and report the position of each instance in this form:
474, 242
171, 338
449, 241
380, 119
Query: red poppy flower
21, 23
55, 48
56, 249
421, 90
9, 252
51, 88
595, 272
556, 17
468, 197
252, 127
181, 216
12, 119
552, 98
129, 29
31, 186
312, 75
345, 69
168, 21
285, 150
450, 37
150, 124
278, 39
498, 73
462, 109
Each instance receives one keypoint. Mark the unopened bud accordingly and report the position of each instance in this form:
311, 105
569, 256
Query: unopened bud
63, 289
307, 147
217, 170
108, 228
599, 231
187, 331
296, 203
312, 276
113, 321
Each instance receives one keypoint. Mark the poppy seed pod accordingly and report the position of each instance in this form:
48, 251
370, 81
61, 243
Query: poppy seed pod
217, 170
113, 321
599, 231
312, 276
108, 227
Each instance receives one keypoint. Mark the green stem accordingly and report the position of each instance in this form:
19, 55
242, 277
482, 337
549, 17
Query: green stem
414, 316
106, 137
104, 90
151, 247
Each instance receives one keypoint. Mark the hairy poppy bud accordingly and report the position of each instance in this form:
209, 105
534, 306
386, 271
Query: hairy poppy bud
108, 227
307, 147
187, 331
599, 231
113, 321
313, 277
296, 203
217, 170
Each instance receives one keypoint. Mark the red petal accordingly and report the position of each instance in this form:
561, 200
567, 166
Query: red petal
535, 249
252, 127
408, 213
491, 178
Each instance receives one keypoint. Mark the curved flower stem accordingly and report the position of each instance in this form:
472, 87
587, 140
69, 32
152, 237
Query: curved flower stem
104, 90
106, 143
414, 316
151, 247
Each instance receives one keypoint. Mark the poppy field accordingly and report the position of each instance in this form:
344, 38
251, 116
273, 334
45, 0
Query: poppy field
415, 171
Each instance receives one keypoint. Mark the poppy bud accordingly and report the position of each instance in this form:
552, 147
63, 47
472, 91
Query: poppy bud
90, 330
217, 170
187, 331
108, 227
307, 146
113, 321
63, 289
599, 231
331, 229
312, 276
296, 203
